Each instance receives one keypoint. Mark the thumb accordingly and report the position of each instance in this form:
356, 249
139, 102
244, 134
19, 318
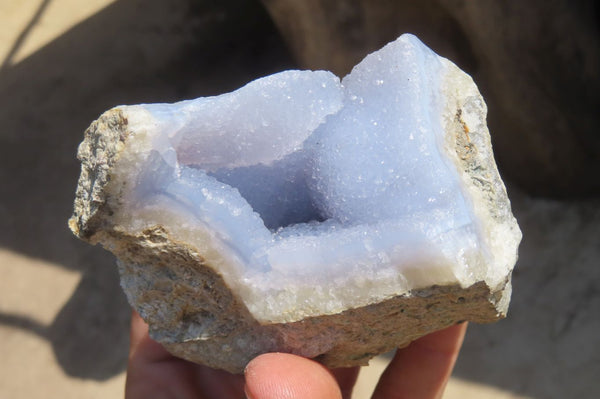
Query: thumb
281, 375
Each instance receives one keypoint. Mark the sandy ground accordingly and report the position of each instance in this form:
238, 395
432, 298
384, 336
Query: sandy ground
63, 318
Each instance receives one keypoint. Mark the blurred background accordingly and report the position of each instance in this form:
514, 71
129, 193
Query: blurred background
63, 317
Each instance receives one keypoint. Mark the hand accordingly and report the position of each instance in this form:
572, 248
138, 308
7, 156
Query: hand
420, 370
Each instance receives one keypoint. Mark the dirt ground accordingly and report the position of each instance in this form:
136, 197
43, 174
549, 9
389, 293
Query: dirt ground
63, 317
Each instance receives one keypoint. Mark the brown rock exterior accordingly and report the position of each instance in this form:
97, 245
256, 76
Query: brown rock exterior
197, 317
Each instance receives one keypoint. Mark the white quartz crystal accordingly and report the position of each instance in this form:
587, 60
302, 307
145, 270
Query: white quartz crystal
309, 195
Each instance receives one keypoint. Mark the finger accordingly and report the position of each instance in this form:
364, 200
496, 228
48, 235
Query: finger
422, 369
138, 331
281, 375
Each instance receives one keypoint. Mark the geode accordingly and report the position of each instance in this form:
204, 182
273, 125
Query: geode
331, 219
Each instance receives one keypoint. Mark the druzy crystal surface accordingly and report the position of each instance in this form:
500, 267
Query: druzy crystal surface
306, 194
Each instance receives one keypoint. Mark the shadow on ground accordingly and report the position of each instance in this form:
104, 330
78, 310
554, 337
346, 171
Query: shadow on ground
156, 51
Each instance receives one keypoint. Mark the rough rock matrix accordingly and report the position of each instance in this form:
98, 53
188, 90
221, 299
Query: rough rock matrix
331, 219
